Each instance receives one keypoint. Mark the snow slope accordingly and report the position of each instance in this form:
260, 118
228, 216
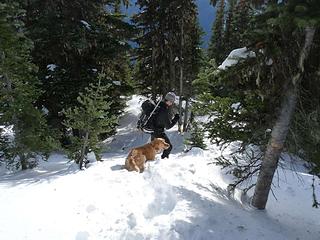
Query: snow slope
178, 198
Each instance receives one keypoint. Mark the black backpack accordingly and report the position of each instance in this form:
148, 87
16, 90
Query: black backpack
148, 116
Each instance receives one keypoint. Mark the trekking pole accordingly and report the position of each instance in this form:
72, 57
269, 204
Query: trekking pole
153, 110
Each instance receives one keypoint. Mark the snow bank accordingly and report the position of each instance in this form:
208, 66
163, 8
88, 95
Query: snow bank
183, 197
235, 56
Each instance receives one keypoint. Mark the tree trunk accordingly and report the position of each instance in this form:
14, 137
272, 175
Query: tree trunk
83, 150
186, 113
172, 70
181, 78
274, 148
280, 130
23, 161
153, 87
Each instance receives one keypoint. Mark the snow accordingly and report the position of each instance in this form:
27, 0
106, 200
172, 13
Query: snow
236, 106
6, 131
183, 197
44, 110
51, 67
235, 56
269, 62
118, 83
86, 24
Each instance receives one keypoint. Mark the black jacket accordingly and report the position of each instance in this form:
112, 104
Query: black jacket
162, 120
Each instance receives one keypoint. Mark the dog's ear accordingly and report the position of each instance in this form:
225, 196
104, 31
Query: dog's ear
154, 142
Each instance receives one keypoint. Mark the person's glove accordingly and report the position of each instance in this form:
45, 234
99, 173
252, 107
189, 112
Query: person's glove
176, 117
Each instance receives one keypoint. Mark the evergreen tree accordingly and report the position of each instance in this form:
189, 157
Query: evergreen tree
92, 117
19, 91
304, 131
229, 28
197, 137
216, 46
239, 24
192, 60
229, 43
299, 19
74, 41
258, 95
169, 34
150, 53
168, 56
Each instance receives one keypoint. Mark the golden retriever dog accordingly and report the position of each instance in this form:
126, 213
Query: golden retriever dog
139, 155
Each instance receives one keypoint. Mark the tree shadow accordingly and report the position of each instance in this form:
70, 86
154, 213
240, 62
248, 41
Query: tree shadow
224, 218
123, 142
117, 167
39, 174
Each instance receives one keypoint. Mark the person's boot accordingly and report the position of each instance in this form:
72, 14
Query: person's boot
164, 156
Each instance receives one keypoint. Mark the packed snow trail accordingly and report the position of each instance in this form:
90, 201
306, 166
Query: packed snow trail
183, 197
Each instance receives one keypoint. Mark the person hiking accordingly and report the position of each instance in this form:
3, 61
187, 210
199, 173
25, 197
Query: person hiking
163, 121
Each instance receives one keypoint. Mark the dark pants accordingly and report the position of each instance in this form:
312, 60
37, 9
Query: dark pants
166, 152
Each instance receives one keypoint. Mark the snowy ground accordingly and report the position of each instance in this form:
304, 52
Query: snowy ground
178, 198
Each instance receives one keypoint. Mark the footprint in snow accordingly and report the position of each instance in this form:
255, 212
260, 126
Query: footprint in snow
82, 236
241, 228
164, 201
290, 191
132, 221
90, 208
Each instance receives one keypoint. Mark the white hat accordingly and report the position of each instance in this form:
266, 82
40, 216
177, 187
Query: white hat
170, 97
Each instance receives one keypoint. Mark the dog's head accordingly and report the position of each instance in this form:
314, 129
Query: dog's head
159, 144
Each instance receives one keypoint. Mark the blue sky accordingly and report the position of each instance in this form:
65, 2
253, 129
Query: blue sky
206, 17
